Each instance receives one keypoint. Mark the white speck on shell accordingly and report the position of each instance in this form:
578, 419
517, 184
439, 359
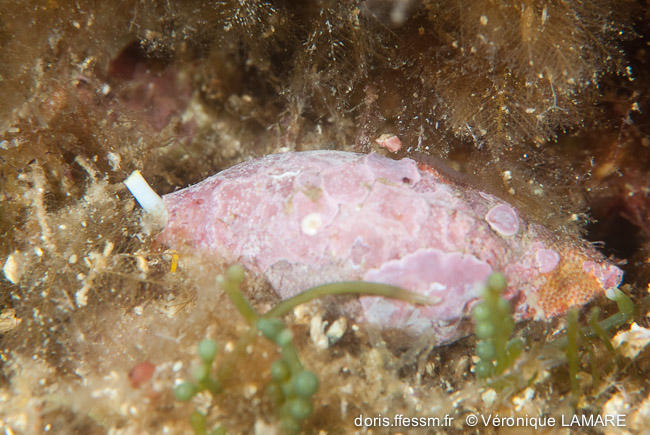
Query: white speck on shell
311, 224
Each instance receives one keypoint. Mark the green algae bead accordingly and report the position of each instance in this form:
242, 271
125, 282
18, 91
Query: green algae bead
235, 273
496, 281
503, 306
484, 330
185, 391
483, 369
482, 312
274, 393
287, 389
284, 338
271, 328
201, 372
305, 384
207, 350
280, 371
485, 350
299, 408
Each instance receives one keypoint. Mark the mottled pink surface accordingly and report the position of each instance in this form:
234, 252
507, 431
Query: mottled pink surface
308, 218
448, 278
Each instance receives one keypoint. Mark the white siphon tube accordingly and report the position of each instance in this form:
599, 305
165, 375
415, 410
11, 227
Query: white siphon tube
148, 199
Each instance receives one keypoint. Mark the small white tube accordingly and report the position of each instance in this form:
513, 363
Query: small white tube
148, 199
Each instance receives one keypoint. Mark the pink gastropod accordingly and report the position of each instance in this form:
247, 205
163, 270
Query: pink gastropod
303, 219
